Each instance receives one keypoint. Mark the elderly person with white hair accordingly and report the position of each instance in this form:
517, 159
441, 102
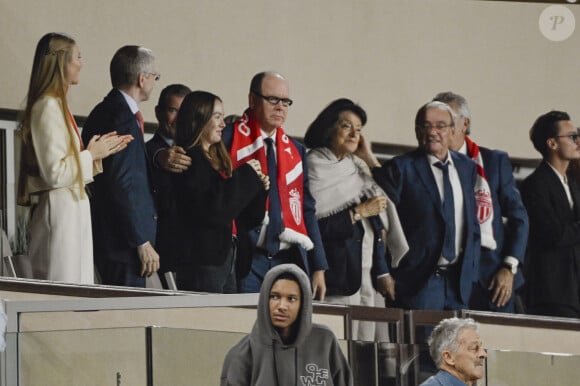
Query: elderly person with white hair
458, 353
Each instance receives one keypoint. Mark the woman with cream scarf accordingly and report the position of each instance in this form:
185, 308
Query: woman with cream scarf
354, 213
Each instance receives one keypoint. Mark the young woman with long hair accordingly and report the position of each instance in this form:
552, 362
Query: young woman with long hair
210, 196
55, 166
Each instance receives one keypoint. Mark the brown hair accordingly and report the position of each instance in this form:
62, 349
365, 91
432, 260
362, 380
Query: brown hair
195, 112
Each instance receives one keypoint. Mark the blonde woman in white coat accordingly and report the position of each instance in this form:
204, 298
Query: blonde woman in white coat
55, 166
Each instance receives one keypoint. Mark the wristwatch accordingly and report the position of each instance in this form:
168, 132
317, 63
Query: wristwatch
356, 216
512, 267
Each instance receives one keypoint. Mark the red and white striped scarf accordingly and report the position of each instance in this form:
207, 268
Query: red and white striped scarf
483, 201
247, 144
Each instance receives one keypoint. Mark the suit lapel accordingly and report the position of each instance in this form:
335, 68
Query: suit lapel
575, 192
554, 184
463, 171
425, 174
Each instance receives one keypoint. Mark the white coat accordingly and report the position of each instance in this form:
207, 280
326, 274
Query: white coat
61, 244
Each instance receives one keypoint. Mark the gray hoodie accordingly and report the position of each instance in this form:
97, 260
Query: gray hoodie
262, 359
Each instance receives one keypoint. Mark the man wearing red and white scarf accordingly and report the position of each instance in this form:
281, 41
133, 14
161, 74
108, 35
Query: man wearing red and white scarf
503, 246
297, 237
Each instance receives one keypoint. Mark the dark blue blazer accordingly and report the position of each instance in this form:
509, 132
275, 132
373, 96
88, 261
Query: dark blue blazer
122, 206
409, 181
512, 237
315, 259
343, 243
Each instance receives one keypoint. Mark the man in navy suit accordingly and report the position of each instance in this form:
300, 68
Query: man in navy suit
166, 159
551, 195
122, 207
432, 188
503, 245
296, 237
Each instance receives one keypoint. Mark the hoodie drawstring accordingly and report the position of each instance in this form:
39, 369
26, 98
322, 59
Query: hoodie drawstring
275, 362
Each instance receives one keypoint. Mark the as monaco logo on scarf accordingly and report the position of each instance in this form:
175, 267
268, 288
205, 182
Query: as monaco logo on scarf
484, 205
247, 143
483, 200
296, 206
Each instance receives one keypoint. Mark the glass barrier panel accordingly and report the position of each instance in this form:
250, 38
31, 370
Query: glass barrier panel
177, 356
386, 364
532, 369
101, 357
189, 357
192, 357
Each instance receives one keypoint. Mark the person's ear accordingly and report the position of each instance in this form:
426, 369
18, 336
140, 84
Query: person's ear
448, 358
552, 144
466, 124
141, 79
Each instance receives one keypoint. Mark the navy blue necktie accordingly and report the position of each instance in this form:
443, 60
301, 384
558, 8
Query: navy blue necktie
275, 210
448, 251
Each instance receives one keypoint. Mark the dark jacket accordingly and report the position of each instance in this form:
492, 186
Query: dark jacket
553, 263
343, 246
122, 207
313, 260
511, 237
410, 183
207, 202
163, 193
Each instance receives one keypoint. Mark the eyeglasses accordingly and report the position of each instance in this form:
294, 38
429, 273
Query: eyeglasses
573, 137
437, 126
275, 100
156, 74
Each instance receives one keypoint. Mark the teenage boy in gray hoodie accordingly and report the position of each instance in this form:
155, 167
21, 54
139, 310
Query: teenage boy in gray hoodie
285, 347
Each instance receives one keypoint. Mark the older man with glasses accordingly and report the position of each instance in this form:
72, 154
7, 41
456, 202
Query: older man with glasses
552, 197
122, 206
503, 244
432, 188
289, 232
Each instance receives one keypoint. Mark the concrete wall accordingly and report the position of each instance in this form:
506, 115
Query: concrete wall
391, 56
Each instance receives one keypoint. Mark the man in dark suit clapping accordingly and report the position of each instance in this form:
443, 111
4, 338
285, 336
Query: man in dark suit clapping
122, 208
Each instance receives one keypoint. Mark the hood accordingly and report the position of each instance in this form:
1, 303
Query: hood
263, 330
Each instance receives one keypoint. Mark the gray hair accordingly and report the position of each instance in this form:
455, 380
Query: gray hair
451, 97
128, 62
445, 336
422, 113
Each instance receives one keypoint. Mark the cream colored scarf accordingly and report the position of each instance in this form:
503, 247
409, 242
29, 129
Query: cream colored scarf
339, 184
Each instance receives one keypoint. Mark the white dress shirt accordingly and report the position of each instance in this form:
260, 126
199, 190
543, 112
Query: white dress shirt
457, 202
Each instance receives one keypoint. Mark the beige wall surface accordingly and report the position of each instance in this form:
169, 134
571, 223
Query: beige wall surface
528, 339
391, 56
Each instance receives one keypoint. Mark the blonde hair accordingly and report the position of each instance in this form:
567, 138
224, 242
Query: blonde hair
48, 77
